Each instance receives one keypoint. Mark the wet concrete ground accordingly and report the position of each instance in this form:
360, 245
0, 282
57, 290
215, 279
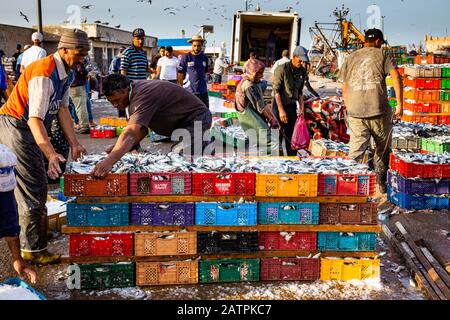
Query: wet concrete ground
395, 281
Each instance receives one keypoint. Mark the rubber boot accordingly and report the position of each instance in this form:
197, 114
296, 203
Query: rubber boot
41, 258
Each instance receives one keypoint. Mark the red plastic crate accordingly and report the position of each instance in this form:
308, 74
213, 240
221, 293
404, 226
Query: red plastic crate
276, 241
103, 134
401, 70
219, 184
422, 107
444, 120
219, 87
101, 245
426, 84
85, 185
142, 184
412, 170
296, 269
347, 184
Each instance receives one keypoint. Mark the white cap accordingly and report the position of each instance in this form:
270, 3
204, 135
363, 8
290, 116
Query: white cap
37, 36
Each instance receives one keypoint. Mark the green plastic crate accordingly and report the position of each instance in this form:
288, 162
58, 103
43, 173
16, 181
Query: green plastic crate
445, 84
229, 270
435, 146
119, 131
215, 94
407, 60
445, 72
107, 276
229, 115
393, 103
445, 95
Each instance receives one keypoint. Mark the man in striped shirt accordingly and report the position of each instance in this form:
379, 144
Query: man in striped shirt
134, 63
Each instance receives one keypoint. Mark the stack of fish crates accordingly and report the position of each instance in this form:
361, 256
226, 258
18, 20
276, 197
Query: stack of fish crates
427, 94
419, 182
118, 124
418, 177
421, 138
148, 229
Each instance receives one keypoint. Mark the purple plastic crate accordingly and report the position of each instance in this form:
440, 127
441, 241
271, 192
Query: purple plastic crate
418, 186
162, 214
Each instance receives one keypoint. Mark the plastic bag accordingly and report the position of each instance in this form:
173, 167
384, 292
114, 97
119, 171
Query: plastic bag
300, 138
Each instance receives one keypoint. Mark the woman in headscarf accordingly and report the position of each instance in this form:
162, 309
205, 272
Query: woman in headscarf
251, 108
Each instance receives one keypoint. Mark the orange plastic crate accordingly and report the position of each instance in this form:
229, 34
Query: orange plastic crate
426, 84
228, 104
287, 185
166, 273
431, 59
418, 107
421, 119
165, 244
422, 95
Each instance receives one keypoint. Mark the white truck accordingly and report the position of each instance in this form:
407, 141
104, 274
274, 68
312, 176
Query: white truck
265, 33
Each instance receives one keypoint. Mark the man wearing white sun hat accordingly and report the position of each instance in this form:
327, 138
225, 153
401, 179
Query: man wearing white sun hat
34, 53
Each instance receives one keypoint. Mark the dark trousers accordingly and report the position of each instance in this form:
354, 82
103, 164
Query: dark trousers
191, 144
31, 191
9, 221
217, 78
122, 113
287, 128
204, 97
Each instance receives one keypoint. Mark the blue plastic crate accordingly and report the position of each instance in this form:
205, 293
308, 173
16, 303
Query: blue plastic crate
288, 213
340, 241
98, 215
19, 283
391, 92
413, 202
62, 197
225, 214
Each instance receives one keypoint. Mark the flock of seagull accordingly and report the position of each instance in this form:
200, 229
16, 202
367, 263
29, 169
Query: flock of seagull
218, 10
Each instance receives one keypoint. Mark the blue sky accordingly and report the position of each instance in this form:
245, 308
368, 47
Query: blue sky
406, 21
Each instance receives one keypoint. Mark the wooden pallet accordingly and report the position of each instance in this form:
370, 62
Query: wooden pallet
184, 199
252, 255
260, 228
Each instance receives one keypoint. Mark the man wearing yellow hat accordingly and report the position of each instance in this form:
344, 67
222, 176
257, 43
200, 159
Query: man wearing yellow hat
194, 68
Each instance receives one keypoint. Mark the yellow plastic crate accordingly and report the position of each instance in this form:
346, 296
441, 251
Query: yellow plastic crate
445, 108
119, 122
389, 82
287, 185
352, 269
106, 121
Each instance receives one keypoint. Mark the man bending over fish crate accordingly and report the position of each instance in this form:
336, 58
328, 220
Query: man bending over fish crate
365, 95
161, 106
